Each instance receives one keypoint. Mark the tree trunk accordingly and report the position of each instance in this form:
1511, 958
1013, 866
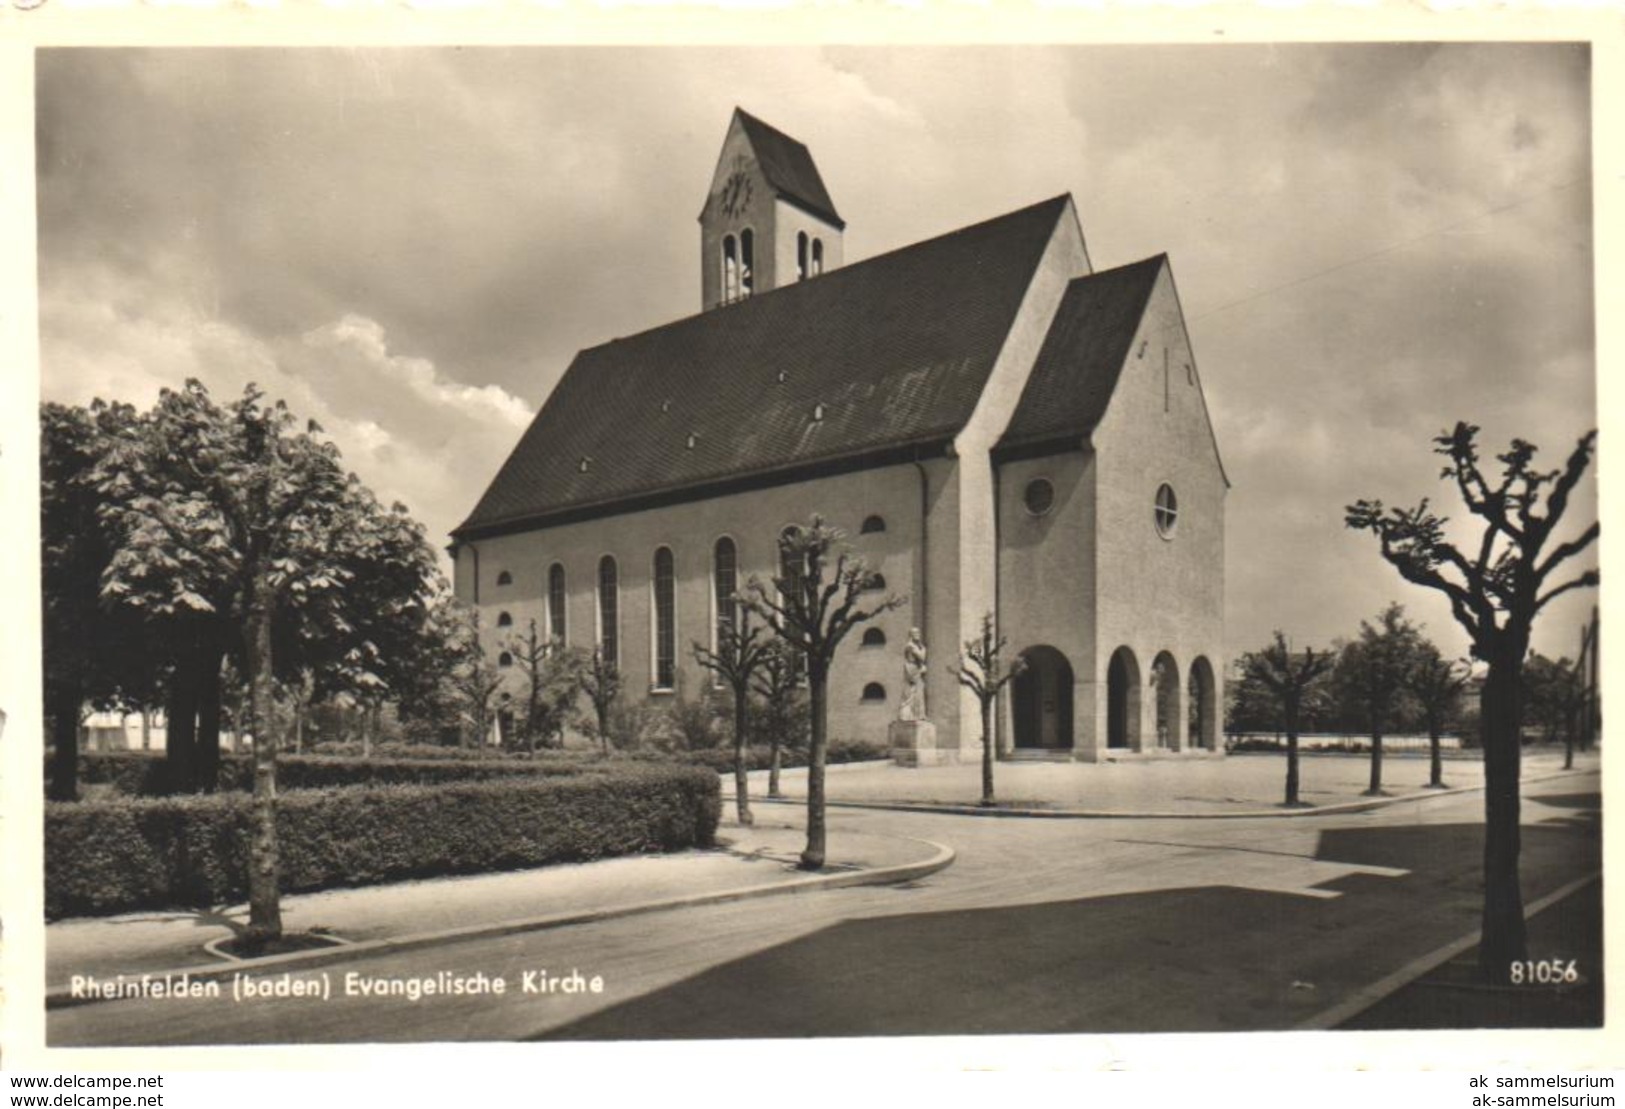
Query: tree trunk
1375, 789
207, 762
773, 769
65, 703
1291, 759
1505, 939
987, 753
741, 778
146, 729
1435, 759
603, 727
264, 904
180, 739
818, 703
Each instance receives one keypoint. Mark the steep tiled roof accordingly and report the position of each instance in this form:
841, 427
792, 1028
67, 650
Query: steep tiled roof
789, 168
885, 354
1082, 356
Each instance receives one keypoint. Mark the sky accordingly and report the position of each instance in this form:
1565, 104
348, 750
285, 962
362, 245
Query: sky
1370, 242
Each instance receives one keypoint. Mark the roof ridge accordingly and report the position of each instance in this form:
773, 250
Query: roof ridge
828, 275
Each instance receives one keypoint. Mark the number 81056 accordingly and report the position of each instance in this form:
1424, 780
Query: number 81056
1544, 971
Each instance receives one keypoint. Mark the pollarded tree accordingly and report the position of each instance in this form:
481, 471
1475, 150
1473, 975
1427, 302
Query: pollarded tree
783, 716
601, 682
736, 661
1495, 594
1437, 684
982, 669
475, 678
229, 506
552, 683
1371, 677
1275, 676
813, 604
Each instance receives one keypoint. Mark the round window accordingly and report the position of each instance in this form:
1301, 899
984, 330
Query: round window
1167, 514
1039, 496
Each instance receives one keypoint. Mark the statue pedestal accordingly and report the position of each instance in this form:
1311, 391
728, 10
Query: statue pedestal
914, 743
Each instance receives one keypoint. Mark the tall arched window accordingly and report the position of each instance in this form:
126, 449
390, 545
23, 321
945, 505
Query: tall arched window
817, 257
504, 620
725, 585
555, 602
874, 637
609, 611
730, 269
801, 255
747, 263
872, 524
665, 605
504, 578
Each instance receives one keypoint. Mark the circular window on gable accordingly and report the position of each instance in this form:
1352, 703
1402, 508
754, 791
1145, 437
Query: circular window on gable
1167, 514
1039, 496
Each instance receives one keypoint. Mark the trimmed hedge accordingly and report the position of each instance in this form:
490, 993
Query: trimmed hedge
721, 759
134, 853
142, 774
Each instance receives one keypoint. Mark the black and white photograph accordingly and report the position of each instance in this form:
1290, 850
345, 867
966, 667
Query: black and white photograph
802, 542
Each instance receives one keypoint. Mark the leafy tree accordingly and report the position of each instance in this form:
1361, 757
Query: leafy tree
983, 670
1437, 684
1274, 676
813, 604
1371, 677
601, 682
1495, 593
226, 515
89, 653
736, 661
783, 716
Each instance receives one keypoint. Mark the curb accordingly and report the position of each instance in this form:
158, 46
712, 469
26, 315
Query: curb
1104, 814
60, 997
1367, 996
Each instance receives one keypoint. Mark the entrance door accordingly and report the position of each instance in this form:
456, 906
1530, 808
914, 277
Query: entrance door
1042, 705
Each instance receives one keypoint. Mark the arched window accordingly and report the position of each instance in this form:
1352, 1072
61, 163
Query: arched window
875, 582
874, 691
609, 611
1167, 511
872, 524
504, 620
817, 257
873, 637
504, 578
725, 584
665, 598
730, 270
801, 255
555, 602
504, 660
747, 263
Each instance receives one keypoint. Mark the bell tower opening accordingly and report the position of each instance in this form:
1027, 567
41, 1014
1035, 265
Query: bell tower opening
768, 220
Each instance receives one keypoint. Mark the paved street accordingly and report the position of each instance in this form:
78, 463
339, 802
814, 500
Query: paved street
1039, 926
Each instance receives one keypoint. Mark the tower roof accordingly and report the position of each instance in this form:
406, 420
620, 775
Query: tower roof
885, 358
789, 168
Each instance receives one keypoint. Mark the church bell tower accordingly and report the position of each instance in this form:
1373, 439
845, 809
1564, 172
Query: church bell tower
768, 220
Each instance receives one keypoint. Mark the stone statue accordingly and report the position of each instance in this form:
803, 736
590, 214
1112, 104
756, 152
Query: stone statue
913, 703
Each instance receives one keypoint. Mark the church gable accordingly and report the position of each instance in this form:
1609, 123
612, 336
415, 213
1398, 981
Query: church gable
883, 356
1084, 352
758, 157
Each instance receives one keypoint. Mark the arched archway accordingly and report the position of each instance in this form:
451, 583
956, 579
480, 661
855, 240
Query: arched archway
1041, 700
1123, 700
1203, 709
1165, 680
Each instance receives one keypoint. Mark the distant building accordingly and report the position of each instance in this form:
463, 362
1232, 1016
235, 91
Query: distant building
998, 427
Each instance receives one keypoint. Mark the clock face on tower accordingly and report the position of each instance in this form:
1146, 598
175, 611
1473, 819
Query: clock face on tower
735, 193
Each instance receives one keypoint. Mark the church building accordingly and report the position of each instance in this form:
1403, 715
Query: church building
999, 428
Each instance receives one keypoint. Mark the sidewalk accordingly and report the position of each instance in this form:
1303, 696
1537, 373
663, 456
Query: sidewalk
1231, 786
747, 862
